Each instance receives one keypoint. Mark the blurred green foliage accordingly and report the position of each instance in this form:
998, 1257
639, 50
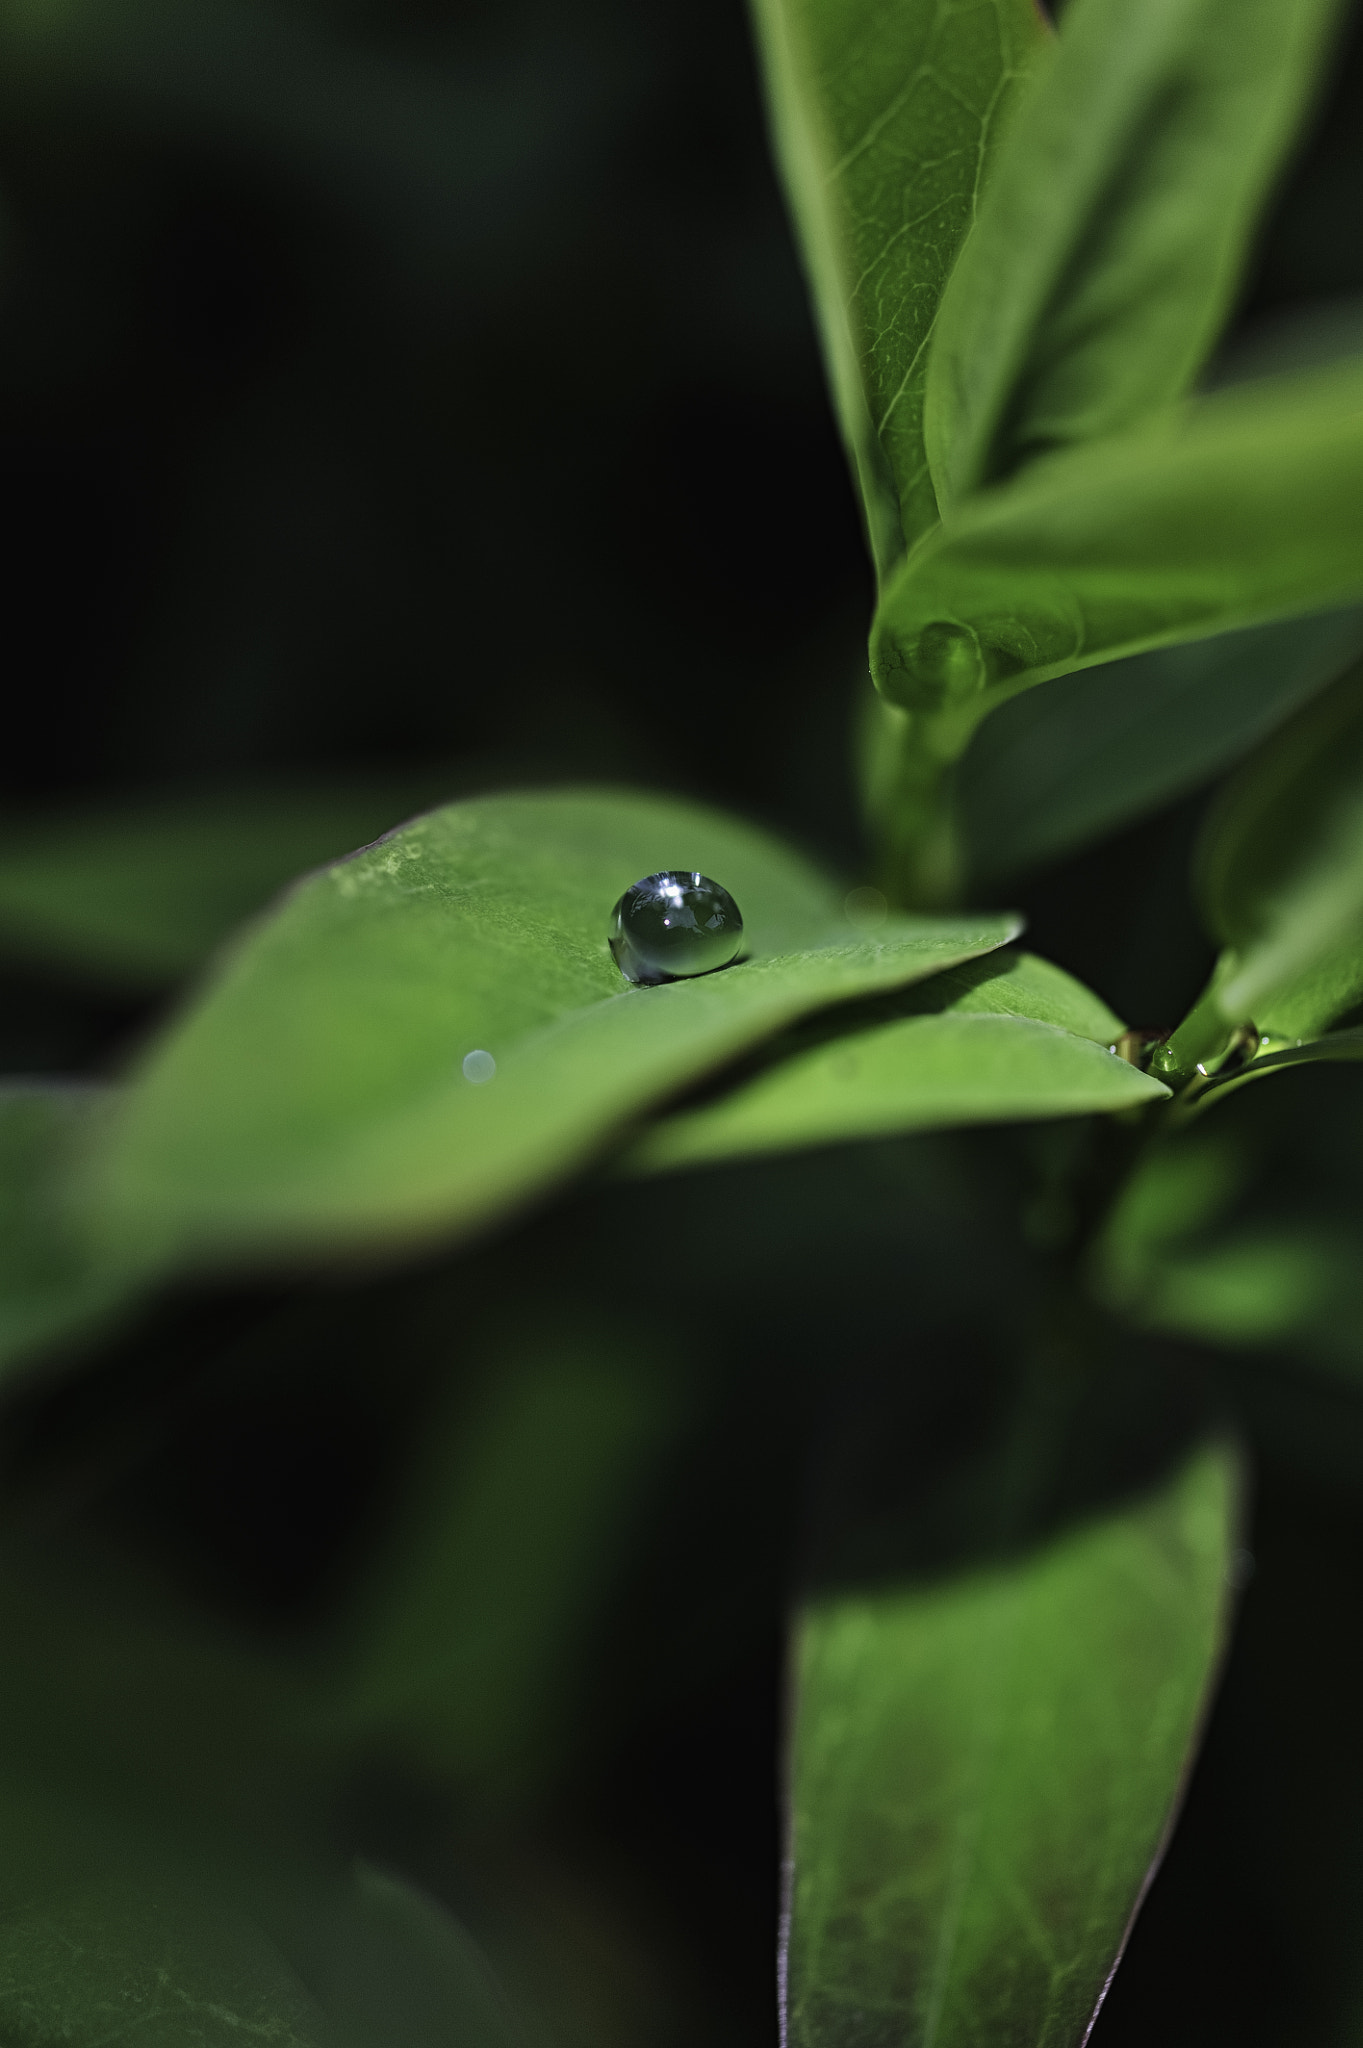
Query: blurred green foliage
407, 1481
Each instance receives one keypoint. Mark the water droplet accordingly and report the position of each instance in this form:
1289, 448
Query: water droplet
479, 1067
866, 908
1240, 1570
674, 924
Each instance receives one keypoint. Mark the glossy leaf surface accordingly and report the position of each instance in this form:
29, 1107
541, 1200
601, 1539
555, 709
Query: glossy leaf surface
316, 1093
884, 119
983, 1771
1024, 1042
1080, 756
140, 894
1233, 510
1108, 248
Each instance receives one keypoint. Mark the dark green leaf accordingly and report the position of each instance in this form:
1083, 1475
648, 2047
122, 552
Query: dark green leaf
1108, 248
51, 1285
1232, 510
1336, 1045
117, 1963
1280, 879
884, 119
316, 1959
1023, 1042
1081, 755
1294, 337
466, 1643
315, 1094
140, 894
1266, 1286
1280, 872
983, 1773
1184, 1253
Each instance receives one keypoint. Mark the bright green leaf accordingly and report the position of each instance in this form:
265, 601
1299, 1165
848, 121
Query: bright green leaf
885, 118
1004, 1046
315, 1094
983, 1773
1109, 246
141, 893
1081, 755
1232, 510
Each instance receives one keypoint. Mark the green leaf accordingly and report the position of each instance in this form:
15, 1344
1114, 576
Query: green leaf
315, 1096
51, 1284
884, 119
119, 1962
1280, 872
1012, 1042
1232, 510
1188, 1251
1259, 1286
1079, 756
983, 1773
1109, 246
467, 1640
1336, 1045
141, 893
314, 1958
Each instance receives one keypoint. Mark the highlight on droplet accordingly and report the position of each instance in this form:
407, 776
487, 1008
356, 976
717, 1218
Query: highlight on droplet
479, 1066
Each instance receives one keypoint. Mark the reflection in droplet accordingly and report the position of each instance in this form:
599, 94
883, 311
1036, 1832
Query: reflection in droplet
673, 925
866, 908
479, 1066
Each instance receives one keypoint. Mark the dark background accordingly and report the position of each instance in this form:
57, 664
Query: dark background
410, 386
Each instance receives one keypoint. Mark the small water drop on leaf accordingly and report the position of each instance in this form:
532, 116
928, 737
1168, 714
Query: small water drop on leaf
479, 1066
866, 908
674, 924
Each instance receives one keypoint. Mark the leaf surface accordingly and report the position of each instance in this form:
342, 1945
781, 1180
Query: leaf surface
884, 119
315, 1094
115, 1962
468, 1636
1108, 247
1074, 759
140, 894
1235, 509
1280, 872
983, 1771
51, 1285
1022, 1042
